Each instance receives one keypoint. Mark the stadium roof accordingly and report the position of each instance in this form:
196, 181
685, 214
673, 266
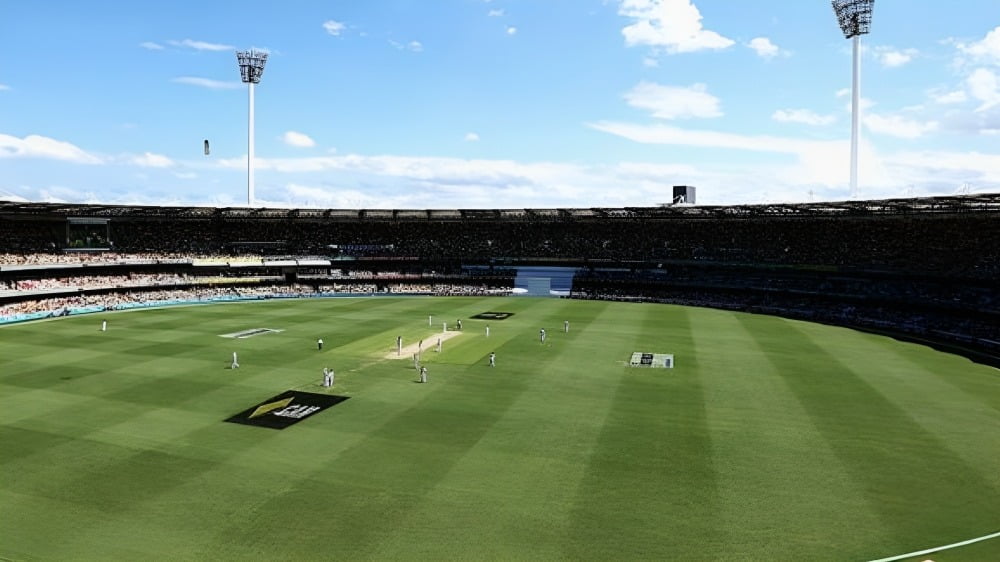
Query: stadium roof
922, 205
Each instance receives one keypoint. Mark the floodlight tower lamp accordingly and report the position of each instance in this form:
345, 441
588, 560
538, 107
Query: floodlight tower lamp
855, 19
251, 69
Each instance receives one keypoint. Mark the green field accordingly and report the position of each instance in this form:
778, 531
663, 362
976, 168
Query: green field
772, 439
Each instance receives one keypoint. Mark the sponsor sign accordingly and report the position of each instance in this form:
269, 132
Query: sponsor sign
285, 409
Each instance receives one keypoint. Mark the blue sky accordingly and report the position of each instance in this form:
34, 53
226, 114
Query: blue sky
493, 104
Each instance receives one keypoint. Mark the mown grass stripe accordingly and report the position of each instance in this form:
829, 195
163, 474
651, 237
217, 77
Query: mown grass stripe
871, 437
767, 449
650, 485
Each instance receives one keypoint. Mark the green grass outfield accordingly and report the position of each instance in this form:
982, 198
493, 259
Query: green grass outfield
772, 439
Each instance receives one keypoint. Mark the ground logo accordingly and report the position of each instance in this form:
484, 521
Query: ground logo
493, 315
285, 409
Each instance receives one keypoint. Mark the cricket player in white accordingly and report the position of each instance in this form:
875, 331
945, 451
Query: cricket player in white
399, 345
439, 345
319, 344
423, 374
104, 325
566, 326
326, 376
487, 331
236, 363
541, 335
493, 359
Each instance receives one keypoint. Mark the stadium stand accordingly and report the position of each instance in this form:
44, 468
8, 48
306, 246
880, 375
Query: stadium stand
923, 268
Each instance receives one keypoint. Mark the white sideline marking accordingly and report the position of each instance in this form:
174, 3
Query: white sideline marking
937, 548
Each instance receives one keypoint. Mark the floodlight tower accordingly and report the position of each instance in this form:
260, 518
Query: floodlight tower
855, 19
251, 68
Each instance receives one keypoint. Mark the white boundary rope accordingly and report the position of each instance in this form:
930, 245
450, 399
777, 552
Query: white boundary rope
937, 548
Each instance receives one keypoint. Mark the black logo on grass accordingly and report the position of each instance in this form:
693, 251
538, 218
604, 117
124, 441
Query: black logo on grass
493, 315
286, 409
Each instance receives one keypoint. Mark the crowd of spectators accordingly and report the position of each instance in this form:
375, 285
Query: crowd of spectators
448, 289
102, 257
112, 301
95, 282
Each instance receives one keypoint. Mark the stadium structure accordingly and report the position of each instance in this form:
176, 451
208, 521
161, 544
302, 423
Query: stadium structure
920, 268
821, 405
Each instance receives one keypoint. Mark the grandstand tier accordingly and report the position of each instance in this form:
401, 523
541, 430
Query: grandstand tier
924, 268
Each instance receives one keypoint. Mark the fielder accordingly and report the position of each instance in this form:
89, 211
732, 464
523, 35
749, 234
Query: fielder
493, 359
399, 345
439, 345
541, 335
104, 325
487, 331
319, 344
423, 374
566, 326
236, 363
326, 376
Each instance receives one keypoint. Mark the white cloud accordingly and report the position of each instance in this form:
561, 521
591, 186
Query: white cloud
495, 13
803, 116
987, 49
471, 137
765, 48
668, 134
817, 162
37, 146
650, 62
201, 45
891, 57
151, 46
150, 160
207, 83
984, 86
898, 126
333, 27
511, 30
672, 25
817, 170
945, 98
414, 46
674, 102
300, 140
4, 87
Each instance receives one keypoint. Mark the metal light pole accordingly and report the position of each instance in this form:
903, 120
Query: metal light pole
251, 68
855, 19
